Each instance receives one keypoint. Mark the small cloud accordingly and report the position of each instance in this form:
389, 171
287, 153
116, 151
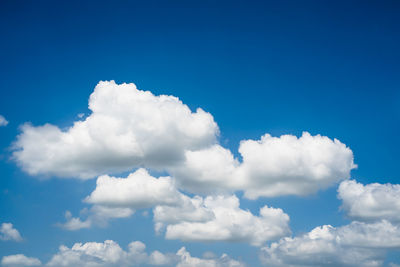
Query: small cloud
81, 115
3, 121
19, 260
73, 224
8, 232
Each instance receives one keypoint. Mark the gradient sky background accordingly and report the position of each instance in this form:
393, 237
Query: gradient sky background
278, 67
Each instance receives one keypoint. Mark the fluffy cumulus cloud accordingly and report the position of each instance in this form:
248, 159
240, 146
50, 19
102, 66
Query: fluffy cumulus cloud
214, 218
356, 244
8, 232
209, 170
127, 128
138, 190
91, 254
271, 166
288, 165
3, 121
109, 253
19, 260
228, 223
119, 198
370, 202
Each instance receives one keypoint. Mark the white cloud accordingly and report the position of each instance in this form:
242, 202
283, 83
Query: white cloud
272, 166
73, 224
109, 253
3, 121
8, 232
189, 210
209, 170
214, 218
127, 128
370, 202
288, 165
186, 260
94, 254
229, 223
120, 197
356, 244
19, 260
139, 190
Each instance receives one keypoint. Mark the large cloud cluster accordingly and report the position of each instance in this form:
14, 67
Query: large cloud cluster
364, 242
356, 244
136, 131
214, 218
110, 254
271, 166
129, 128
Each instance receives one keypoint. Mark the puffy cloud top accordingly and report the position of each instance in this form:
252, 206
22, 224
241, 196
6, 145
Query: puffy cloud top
214, 218
127, 128
370, 202
228, 223
288, 165
271, 166
138, 190
109, 253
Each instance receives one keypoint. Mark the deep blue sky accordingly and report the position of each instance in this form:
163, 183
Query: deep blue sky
282, 67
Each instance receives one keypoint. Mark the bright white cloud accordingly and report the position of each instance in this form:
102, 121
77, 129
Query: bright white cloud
214, 218
356, 244
272, 166
209, 170
109, 253
139, 190
370, 202
97, 254
8, 232
288, 165
229, 223
119, 197
3, 121
19, 260
127, 128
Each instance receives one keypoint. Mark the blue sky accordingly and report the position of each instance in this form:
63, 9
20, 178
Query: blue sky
279, 67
